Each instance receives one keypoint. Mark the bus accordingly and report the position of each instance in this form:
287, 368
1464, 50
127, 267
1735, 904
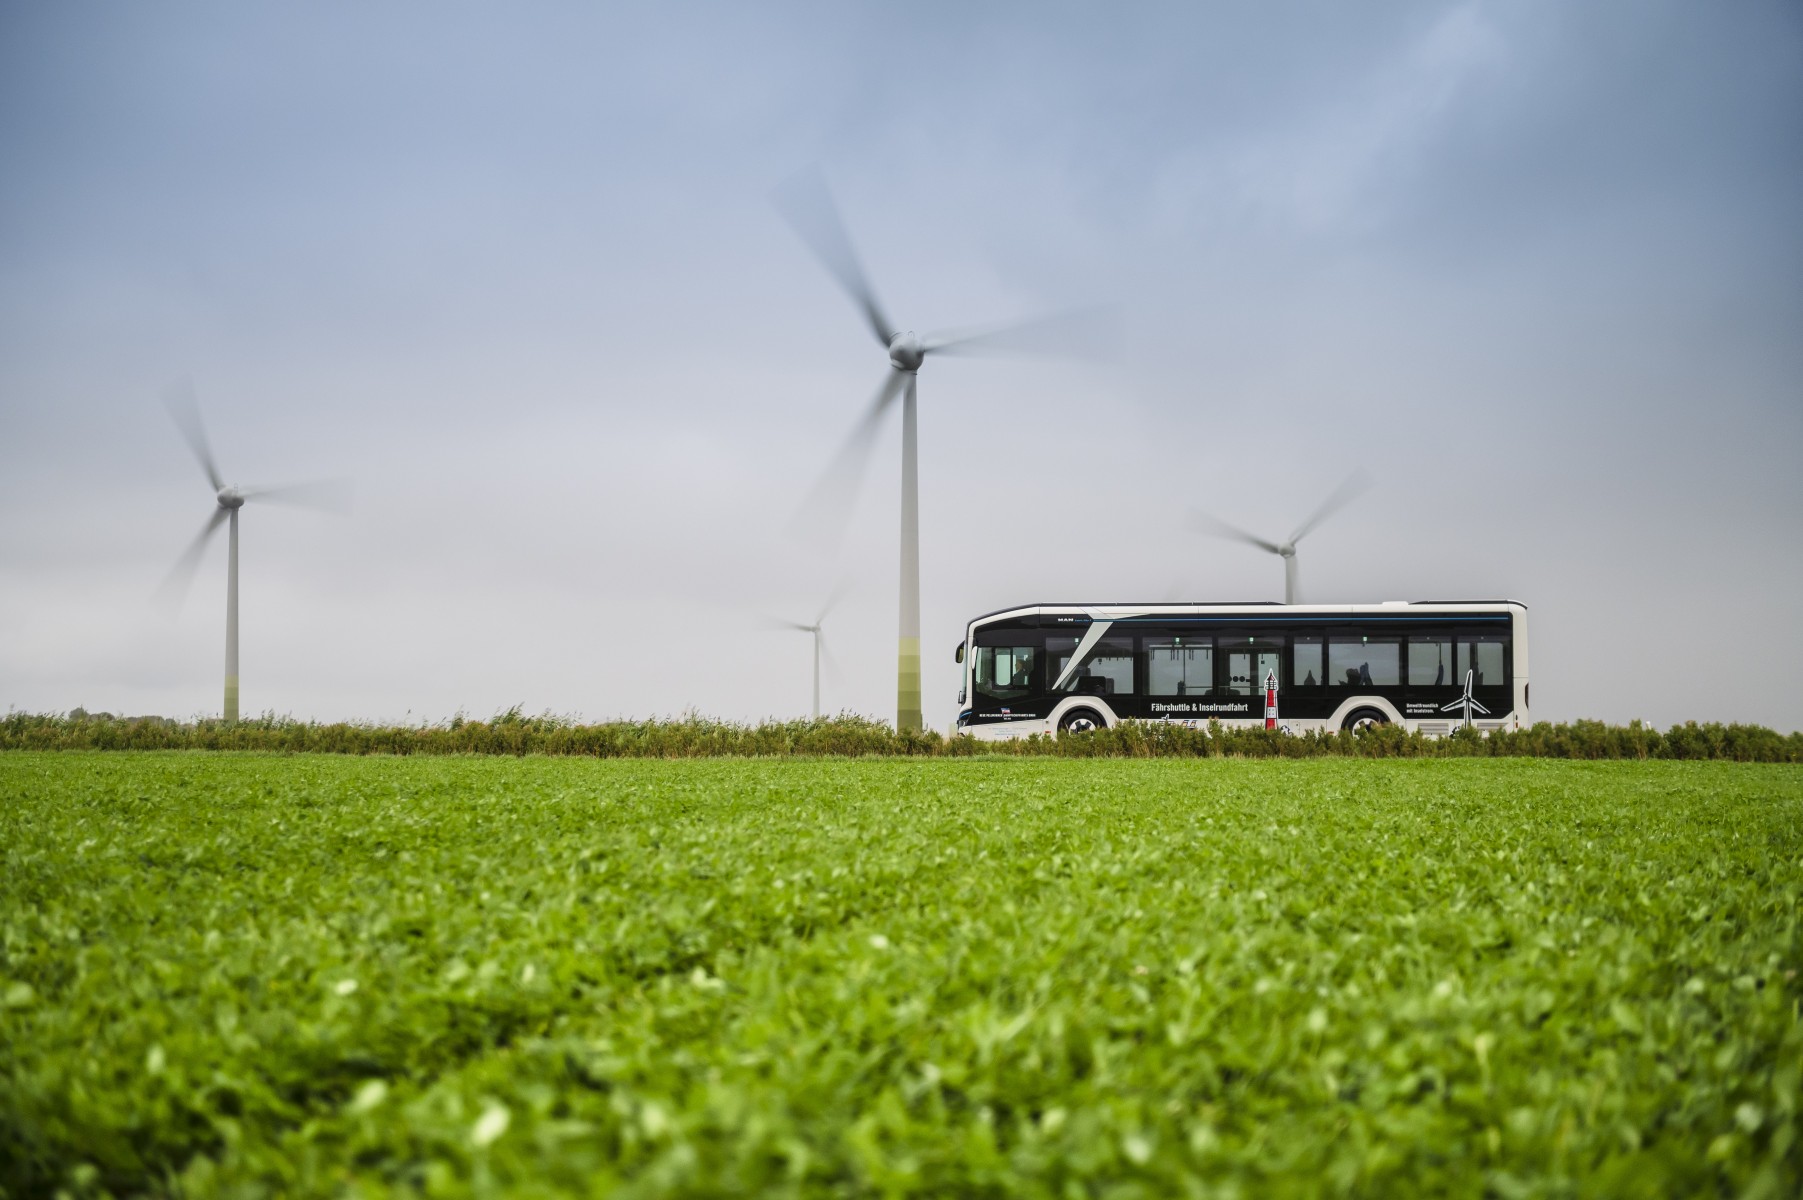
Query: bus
1429, 666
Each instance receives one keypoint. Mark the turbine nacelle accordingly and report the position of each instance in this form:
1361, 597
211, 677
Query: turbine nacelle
1286, 550
906, 352
230, 498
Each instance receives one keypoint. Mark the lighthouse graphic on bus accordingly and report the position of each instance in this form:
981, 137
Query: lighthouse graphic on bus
1466, 703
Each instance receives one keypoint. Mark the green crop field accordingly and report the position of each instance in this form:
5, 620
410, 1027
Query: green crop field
260, 975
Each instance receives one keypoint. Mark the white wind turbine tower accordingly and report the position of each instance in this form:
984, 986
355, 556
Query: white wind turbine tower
1343, 495
809, 208
228, 499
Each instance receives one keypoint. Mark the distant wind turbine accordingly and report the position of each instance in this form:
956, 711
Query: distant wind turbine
228, 499
809, 207
817, 629
1355, 484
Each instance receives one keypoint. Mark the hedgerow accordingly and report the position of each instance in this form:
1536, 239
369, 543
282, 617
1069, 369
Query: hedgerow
848, 734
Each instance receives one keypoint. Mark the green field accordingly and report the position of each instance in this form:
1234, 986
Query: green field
243, 975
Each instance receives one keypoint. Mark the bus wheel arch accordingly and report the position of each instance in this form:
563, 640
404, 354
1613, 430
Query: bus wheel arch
1361, 719
1081, 720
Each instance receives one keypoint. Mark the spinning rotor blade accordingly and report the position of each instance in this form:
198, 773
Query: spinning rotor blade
783, 623
180, 402
832, 601
1080, 333
326, 495
833, 671
1218, 528
1355, 484
808, 206
175, 585
828, 505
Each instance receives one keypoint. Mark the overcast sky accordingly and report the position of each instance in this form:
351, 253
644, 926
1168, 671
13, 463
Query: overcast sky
516, 272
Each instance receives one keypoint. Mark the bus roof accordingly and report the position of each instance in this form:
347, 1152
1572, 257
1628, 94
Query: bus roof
1119, 609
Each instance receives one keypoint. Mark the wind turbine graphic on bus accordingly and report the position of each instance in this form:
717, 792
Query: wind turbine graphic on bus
1466, 703
227, 500
809, 208
1349, 490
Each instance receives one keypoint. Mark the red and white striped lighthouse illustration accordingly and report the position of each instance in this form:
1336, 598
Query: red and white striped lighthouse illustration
1270, 699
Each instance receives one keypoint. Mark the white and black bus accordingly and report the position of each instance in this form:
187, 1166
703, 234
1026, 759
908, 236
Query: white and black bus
1428, 666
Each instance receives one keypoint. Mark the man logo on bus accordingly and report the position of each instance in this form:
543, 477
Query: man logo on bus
1466, 703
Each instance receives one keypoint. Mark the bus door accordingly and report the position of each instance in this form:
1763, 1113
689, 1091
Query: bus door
1248, 660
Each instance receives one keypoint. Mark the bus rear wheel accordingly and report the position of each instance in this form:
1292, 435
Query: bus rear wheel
1361, 719
1081, 720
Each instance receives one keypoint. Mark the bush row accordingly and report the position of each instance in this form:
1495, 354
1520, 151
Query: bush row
699, 737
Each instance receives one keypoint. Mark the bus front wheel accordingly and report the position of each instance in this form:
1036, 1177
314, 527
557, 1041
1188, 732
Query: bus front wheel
1081, 720
1361, 719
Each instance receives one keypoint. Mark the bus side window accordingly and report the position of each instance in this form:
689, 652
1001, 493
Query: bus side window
1307, 664
1484, 658
1180, 666
1363, 662
1430, 662
1107, 670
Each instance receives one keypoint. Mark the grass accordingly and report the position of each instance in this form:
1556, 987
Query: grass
248, 975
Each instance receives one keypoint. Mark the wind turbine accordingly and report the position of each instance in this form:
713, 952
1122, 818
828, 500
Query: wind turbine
228, 499
809, 207
816, 629
1343, 495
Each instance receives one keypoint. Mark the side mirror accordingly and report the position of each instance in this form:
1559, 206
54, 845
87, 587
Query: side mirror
959, 657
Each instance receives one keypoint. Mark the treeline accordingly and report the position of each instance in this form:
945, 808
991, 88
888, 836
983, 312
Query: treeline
698, 737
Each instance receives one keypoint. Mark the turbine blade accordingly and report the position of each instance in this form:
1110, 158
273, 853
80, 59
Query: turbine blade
182, 407
174, 587
833, 671
1077, 333
1215, 527
832, 601
323, 495
808, 206
783, 623
1354, 485
828, 506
